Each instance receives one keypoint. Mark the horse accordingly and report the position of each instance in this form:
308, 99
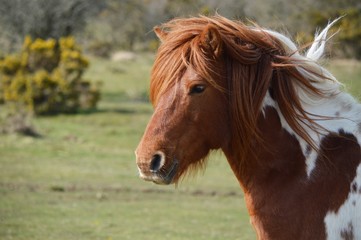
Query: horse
289, 131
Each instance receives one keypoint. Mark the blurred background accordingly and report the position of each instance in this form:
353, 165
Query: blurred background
74, 77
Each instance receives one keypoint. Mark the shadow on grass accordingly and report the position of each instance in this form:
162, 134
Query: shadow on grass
31, 187
120, 110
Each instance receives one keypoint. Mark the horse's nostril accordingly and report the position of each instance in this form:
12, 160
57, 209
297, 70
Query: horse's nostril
156, 162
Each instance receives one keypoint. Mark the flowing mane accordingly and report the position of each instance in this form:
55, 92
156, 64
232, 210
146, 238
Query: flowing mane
290, 135
255, 62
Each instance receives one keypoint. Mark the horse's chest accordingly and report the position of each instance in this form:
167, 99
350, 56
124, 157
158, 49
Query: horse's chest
309, 210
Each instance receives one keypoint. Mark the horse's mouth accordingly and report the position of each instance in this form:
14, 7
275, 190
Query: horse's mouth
163, 176
166, 177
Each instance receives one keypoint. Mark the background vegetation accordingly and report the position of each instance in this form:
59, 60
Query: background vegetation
74, 176
106, 26
46, 77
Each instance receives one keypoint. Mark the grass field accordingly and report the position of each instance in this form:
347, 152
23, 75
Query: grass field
79, 181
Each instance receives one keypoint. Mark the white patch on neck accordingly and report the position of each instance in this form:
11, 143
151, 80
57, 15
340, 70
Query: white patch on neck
341, 109
335, 112
347, 219
309, 153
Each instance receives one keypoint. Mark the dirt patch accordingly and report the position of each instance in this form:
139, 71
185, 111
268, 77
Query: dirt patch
123, 56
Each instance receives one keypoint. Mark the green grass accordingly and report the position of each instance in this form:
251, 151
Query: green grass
79, 181
349, 73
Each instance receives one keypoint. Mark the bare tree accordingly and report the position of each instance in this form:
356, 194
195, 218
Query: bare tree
44, 18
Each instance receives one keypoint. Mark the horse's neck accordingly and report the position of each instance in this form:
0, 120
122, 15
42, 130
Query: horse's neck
271, 156
279, 161
339, 112
279, 172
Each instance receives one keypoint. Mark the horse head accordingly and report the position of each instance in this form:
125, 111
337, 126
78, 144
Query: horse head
189, 116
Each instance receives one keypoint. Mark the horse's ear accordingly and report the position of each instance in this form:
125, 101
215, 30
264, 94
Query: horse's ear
161, 34
211, 40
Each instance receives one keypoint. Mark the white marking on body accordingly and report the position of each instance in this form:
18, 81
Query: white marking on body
348, 216
347, 120
337, 111
309, 153
319, 108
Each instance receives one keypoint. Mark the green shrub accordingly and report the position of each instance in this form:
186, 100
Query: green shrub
46, 77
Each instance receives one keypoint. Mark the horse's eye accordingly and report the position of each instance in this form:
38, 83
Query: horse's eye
196, 89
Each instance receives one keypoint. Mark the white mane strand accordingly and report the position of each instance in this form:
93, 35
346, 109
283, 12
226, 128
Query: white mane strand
309, 67
316, 50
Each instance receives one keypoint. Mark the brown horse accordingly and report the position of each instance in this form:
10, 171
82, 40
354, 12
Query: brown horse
290, 135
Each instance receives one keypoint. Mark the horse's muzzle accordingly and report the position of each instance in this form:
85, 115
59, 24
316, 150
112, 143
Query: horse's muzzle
157, 171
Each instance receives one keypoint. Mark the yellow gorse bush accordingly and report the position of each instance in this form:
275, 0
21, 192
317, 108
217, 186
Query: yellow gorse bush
46, 76
10, 64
